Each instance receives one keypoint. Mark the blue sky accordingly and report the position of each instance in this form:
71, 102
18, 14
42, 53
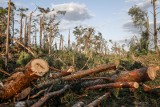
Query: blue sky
109, 17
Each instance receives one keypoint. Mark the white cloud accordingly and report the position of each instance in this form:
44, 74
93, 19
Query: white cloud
131, 1
145, 4
74, 11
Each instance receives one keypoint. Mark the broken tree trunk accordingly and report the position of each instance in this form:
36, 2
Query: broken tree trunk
115, 85
84, 73
138, 75
18, 81
50, 95
96, 102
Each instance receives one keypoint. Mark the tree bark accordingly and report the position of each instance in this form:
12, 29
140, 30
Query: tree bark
50, 35
92, 83
41, 29
18, 81
155, 27
84, 73
29, 29
25, 32
138, 75
7, 35
61, 74
115, 85
69, 39
20, 35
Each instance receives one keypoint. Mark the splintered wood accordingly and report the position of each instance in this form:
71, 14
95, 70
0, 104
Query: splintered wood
19, 80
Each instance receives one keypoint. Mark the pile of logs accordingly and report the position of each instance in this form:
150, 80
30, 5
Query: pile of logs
20, 86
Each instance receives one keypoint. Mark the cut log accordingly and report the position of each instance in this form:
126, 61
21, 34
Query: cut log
19, 80
138, 75
153, 90
115, 85
84, 73
50, 95
96, 102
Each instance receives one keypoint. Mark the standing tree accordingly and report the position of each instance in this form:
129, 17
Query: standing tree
88, 39
78, 32
13, 8
22, 15
69, 39
25, 31
155, 26
141, 21
7, 36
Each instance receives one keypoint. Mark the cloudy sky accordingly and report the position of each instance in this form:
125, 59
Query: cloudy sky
109, 17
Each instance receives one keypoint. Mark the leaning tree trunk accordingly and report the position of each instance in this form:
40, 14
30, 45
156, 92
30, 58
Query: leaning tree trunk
18, 81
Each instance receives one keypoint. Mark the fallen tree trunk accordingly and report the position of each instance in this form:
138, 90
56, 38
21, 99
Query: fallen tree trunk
47, 96
115, 85
92, 83
54, 69
84, 73
138, 75
96, 78
61, 74
97, 101
76, 75
18, 81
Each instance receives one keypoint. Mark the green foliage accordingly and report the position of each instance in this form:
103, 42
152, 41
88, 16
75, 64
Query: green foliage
138, 16
53, 62
24, 58
141, 21
130, 65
